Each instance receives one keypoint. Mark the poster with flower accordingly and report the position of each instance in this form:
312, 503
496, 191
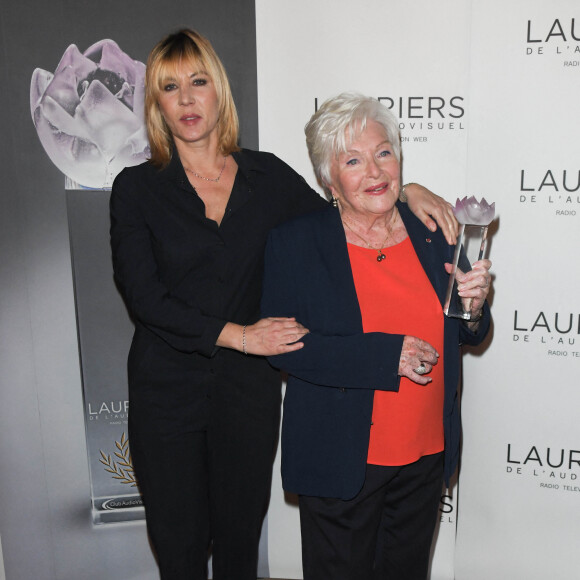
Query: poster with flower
88, 114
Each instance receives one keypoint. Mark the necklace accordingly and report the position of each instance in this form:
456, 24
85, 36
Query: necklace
381, 256
207, 178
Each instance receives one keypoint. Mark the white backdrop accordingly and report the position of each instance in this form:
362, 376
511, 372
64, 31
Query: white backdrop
488, 98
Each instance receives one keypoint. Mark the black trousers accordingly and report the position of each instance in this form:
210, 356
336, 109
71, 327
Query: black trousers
384, 533
207, 483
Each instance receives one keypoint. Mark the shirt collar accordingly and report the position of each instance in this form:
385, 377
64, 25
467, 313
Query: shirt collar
174, 170
247, 164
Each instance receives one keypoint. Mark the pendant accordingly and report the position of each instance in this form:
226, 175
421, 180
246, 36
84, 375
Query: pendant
381, 256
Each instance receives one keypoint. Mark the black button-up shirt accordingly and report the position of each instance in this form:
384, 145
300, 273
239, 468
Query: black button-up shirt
182, 275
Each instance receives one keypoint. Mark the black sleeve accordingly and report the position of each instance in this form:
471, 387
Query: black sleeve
468, 336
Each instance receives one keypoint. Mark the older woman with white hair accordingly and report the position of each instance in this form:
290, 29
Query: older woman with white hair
371, 421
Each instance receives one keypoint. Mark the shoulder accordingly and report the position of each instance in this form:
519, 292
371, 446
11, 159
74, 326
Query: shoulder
143, 170
136, 175
277, 181
263, 159
136, 187
266, 163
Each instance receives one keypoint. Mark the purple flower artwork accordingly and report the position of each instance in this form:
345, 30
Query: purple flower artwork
89, 113
470, 211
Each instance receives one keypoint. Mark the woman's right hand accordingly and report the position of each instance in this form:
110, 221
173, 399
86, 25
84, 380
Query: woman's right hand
267, 337
270, 336
417, 352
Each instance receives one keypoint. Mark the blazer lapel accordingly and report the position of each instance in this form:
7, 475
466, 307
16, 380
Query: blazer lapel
334, 240
429, 247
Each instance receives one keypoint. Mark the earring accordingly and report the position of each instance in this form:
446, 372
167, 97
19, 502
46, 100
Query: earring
334, 201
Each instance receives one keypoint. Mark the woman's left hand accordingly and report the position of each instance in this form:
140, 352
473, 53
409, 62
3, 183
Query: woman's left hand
426, 205
417, 358
473, 286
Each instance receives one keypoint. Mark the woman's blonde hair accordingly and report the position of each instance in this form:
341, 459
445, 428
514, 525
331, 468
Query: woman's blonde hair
190, 48
339, 120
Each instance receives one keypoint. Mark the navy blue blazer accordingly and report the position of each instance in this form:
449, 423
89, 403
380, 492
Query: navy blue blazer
329, 397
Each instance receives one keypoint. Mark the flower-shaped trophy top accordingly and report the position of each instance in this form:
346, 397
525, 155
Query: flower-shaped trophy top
470, 211
89, 113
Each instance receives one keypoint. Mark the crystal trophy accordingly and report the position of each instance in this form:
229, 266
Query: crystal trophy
474, 218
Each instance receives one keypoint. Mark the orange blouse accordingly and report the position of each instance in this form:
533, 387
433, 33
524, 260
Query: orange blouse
396, 297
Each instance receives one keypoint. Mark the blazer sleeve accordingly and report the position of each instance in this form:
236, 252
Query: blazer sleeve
182, 325
468, 336
349, 360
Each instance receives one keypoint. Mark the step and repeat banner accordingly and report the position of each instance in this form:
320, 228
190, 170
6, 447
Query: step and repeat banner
520, 483
488, 97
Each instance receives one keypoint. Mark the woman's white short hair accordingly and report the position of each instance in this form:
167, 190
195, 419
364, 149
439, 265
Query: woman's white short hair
338, 122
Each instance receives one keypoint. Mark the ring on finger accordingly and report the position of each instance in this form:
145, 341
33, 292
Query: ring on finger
421, 369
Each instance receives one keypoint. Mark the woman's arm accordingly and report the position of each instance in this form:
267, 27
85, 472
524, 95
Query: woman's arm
426, 205
268, 336
359, 360
362, 361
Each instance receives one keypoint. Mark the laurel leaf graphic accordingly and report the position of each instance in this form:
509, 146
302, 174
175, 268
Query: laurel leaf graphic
123, 469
